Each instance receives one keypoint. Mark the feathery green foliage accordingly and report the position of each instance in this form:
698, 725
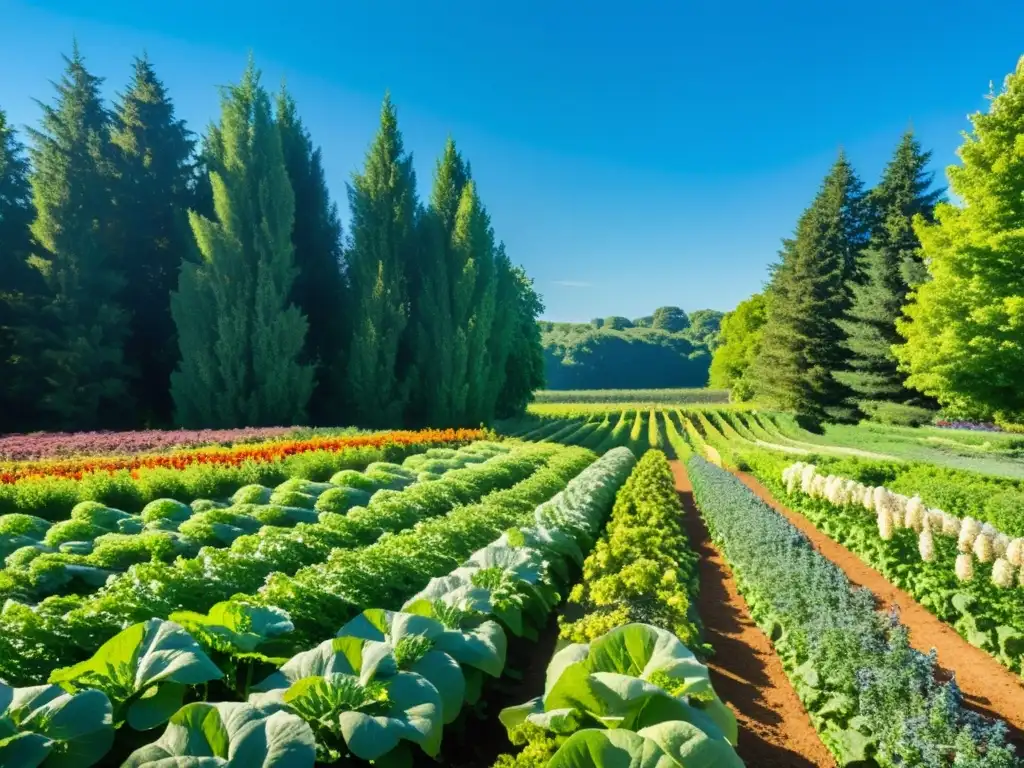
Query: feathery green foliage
383, 243
240, 337
739, 347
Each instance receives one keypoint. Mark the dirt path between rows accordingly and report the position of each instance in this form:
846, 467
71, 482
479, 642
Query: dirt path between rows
774, 728
988, 686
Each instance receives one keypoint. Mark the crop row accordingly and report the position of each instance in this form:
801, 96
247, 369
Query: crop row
98, 540
187, 478
965, 573
870, 695
48, 445
633, 644
33, 640
387, 681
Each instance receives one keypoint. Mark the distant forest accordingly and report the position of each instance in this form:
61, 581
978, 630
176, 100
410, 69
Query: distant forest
665, 349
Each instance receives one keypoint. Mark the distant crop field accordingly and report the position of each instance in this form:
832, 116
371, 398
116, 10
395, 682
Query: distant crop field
667, 396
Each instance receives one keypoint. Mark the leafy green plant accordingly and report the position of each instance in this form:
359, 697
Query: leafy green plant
670, 744
144, 670
632, 677
229, 735
43, 725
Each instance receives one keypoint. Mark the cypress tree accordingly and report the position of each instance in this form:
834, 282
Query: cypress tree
152, 197
893, 254
808, 293
382, 245
524, 368
240, 337
503, 329
319, 290
475, 292
20, 286
82, 325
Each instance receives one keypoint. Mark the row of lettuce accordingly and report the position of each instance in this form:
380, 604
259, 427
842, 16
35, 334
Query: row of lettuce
388, 681
79, 554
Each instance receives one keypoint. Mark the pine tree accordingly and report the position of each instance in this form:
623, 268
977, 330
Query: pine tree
20, 286
893, 253
382, 244
808, 293
963, 326
153, 151
524, 368
82, 325
319, 290
240, 337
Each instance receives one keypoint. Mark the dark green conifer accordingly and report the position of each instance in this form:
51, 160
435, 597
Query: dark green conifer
809, 291
319, 290
891, 259
82, 325
152, 195
20, 288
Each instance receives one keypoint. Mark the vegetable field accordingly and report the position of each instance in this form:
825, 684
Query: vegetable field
521, 599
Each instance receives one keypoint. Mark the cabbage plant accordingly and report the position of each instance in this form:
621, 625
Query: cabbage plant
229, 735
144, 670
630, 678
671, 744
354, 696
43, 725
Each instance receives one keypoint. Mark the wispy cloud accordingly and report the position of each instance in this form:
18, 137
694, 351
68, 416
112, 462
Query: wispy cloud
573, 283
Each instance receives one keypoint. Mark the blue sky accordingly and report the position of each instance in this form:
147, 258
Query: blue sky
631, 155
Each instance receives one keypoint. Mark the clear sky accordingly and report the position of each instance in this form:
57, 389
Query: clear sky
632, 155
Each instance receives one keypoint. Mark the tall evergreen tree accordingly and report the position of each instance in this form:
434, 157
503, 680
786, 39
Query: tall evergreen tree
19, 287
319, 289
82, 325
503, 330
524, 368
893, 253
963, 327
434, 279
153, 194
474, 244
801, 342
240, 337
382, 244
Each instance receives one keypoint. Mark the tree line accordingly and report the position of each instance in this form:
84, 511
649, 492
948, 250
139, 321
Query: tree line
893, 302
667, 349
149, 277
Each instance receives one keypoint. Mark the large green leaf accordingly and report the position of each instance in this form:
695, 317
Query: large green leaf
236, 625
129, 665
232, 735
593, 748
692, 747
45, 725
354, 656
404, 707
403, 631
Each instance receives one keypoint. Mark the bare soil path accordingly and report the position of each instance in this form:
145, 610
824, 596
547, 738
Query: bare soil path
775, 730
988, 686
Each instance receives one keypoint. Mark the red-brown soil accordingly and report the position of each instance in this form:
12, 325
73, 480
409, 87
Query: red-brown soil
775, 730
988, 686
